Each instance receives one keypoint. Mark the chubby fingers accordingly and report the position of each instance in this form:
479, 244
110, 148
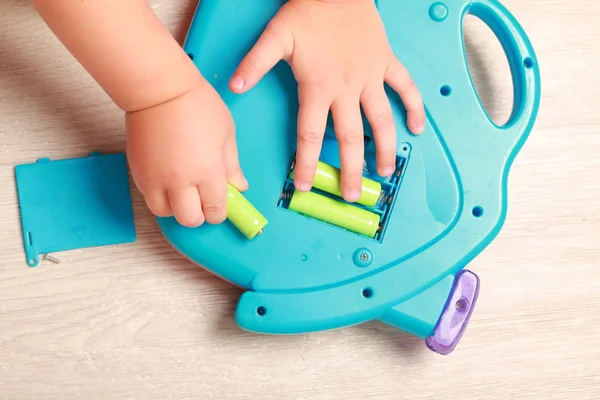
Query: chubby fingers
206, 202
378, 111
186, 206
213, 195
233, 170
312, 120
274, 44
192, 205
399, 79
158, 202
349, 131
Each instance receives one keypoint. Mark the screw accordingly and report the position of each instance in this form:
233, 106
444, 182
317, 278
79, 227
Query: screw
364, 257
52, 259
461, 305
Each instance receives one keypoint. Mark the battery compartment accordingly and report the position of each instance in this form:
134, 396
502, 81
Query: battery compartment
389, 188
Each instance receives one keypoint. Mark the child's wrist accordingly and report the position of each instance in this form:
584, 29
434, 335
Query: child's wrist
166, 84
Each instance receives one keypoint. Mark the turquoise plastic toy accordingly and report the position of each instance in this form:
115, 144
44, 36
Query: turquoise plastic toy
444, 205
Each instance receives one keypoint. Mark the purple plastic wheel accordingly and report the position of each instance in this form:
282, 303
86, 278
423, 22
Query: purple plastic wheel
456, 313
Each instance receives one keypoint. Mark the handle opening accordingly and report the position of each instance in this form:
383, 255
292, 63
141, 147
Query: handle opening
520, 57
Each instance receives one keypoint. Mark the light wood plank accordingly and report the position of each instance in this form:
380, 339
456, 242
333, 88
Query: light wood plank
139, 322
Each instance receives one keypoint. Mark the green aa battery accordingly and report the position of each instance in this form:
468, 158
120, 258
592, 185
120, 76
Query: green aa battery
243, 215
328, 179
335, 212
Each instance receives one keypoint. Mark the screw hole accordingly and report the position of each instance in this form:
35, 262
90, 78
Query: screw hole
261, 311
32, 261
477, 211
461, 305
528, 62
405, 148
445, 90
367, 293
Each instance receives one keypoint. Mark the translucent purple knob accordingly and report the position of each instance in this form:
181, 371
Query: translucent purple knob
456, 314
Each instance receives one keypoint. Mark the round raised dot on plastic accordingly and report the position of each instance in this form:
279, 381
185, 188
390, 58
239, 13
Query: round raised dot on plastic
438, 11
477, 211
261, 311
362, 257
445, 90
528, 62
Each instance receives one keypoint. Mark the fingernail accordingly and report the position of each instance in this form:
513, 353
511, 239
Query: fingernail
301, 186
420, 128
387, 171
237, 83
354, 195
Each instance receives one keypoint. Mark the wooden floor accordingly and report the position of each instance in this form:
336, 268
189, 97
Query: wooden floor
140, 322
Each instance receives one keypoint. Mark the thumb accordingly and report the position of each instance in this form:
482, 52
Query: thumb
273, 45
233, 171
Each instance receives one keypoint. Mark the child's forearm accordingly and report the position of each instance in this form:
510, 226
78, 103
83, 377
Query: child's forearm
125, 48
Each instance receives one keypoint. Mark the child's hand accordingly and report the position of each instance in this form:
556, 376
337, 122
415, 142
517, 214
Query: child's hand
182, 153
180, 136
341, 57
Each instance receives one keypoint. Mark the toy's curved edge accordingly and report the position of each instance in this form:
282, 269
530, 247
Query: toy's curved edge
533, 112
522, 61
237, 278
456, 314
419, 314
441, 314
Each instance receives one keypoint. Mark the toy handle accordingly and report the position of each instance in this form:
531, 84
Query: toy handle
521, 59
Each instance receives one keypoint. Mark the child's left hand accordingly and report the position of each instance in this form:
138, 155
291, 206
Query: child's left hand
340, 57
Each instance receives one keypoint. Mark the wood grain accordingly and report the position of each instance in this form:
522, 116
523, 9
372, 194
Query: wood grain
139, 322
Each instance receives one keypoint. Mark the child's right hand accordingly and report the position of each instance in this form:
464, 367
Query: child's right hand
182, 153
341, 58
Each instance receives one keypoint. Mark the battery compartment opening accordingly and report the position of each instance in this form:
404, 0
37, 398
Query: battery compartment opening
325, 204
